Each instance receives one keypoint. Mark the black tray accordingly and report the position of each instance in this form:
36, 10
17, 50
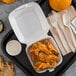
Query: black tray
22, 61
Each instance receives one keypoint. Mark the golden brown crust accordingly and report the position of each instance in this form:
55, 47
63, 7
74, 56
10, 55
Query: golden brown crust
9, 69
6, 68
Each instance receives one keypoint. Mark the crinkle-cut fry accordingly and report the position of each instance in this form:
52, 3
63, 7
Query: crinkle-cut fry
54, 58
1, 64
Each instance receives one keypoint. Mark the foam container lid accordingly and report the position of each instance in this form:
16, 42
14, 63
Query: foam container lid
29, 23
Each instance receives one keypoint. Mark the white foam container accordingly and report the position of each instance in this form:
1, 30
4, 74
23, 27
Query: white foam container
30, 25
54, 44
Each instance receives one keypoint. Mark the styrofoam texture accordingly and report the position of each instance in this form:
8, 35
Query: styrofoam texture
54, 44
29, 23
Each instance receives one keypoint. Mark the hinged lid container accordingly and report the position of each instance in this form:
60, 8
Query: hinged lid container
29, 23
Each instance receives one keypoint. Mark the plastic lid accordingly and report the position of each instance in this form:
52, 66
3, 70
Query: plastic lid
29, 23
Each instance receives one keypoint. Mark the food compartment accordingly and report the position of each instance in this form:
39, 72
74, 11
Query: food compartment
44, 55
